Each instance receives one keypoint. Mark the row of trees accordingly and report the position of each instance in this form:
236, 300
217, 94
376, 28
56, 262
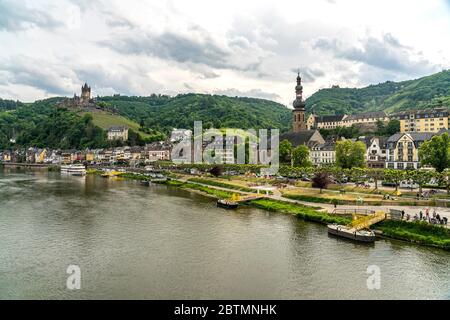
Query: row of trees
352, 154
355, 131
349, 154
339, 175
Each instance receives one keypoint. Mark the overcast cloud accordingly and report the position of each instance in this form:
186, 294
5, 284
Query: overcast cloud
236, 48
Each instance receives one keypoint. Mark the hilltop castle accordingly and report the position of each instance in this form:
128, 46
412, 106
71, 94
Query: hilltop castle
85, 100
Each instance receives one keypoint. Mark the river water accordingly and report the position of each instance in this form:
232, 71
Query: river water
158, 242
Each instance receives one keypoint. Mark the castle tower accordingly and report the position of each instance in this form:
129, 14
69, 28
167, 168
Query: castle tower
85, 93
298, 120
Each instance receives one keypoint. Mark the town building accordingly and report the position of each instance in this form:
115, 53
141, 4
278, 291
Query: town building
323, 154
221, 148
427, 120
366, 120
300, 133
118, 133
375, 151
309, 138
299, 121
6, 156
403, 149
325, 122
157, 151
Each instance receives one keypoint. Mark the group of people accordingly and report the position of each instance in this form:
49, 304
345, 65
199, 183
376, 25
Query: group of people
426, 194
433, 218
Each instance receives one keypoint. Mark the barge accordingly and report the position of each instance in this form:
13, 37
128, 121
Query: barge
227, 204
351, 233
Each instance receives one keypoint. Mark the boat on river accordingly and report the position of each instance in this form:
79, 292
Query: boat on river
227, 204
351, 233
110, 173
74, 169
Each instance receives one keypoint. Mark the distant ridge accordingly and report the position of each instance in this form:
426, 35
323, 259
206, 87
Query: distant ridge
426, 92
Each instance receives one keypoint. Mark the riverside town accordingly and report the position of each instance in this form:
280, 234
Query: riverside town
153, 154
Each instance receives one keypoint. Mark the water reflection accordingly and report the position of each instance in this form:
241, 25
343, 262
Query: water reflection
160, 242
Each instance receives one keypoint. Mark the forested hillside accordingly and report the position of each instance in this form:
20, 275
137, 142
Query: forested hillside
41, 124
164, 113
426, 92
151, 118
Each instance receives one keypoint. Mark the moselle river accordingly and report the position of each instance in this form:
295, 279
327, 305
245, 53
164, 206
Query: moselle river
159, 242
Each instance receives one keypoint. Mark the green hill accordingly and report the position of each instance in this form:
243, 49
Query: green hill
164, 113
105, 120
151, 118
426, 92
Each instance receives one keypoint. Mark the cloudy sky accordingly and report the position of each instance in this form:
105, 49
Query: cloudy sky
245, 48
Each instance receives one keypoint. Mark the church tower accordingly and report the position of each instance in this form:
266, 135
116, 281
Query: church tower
299, 121
85, 93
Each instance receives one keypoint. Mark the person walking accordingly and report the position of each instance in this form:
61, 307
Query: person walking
403, 214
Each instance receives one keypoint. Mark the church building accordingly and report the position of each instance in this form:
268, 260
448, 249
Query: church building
300, 133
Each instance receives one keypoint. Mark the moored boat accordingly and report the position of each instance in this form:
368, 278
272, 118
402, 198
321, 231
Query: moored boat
351, 233
74, 169
227, 204
145, 183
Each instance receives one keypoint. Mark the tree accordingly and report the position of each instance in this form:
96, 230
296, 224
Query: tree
358, 175
321, 180
376, 175
285, 148
216, 171
350, 154
436, 152
392, 127
300, 156
421, 177
340, 175
444, 179
395, 176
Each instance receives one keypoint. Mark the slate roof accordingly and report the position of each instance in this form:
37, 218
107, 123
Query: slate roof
367, 115
417, 136
331, 118
298, 138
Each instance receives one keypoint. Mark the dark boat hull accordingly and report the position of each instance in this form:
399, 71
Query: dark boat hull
227, 205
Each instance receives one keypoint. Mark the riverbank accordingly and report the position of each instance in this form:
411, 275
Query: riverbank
414, 232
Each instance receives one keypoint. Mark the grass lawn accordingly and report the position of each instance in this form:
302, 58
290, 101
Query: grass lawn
105, 120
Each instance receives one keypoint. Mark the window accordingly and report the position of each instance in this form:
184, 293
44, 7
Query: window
410, 157
400, 166
390, 165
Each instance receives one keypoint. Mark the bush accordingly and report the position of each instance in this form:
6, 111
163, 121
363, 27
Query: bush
419, 232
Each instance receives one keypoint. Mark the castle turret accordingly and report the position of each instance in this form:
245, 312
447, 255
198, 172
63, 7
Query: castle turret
299, 121
85, 93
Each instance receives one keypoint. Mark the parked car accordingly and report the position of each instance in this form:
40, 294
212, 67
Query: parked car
408, 184
388, 184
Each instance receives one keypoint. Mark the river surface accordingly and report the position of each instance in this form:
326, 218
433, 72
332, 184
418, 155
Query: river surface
158, 242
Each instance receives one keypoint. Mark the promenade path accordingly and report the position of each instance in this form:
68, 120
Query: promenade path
327, 207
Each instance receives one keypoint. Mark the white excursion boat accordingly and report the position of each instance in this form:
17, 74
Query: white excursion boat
74, 169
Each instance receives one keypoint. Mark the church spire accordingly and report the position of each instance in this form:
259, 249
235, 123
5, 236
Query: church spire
298, 102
